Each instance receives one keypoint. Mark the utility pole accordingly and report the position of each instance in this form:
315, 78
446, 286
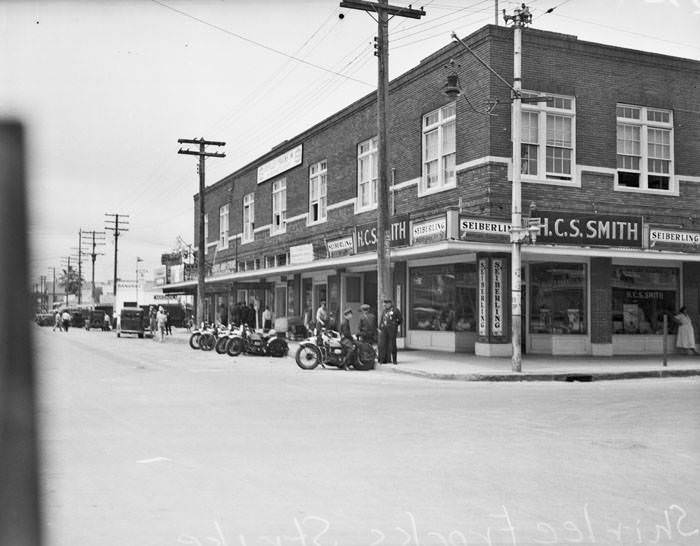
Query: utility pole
520, 18
201, 251
53, 291
66, 261
383, 11
117, 230
98, 239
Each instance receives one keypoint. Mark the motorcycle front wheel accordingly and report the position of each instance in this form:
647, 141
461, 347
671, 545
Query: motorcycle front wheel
235, 346
207, 342
277, 347
364, 357
221, 345
308, 357
194, 340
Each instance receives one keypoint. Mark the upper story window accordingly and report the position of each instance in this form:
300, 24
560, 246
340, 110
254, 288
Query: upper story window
367, 172
223, 227
548, 138
248, 217
317, 192
279, 206
439, 149
644, 147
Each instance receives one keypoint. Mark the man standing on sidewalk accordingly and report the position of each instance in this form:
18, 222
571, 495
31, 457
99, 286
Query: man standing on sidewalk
388, 329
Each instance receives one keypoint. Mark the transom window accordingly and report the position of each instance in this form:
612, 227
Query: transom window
279, 206
548, 136
439, 147
367, 173
644, 147
248, 217
317, 192
223, 227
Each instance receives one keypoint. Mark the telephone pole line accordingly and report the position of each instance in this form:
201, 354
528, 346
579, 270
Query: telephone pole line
201, 251
53, 291
116, 230
383, 11
98, 239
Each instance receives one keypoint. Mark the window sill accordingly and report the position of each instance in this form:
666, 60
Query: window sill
422, 192
627, 189
317, 222
370, 208
551, 181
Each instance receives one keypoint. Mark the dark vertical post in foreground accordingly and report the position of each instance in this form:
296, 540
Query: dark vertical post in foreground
19, 485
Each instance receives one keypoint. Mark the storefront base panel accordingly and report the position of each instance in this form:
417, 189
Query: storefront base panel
453, 342
602, 349
493, 349
559, 345
641, 345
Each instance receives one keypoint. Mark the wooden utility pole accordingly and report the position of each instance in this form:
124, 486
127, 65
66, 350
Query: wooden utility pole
117, 230
202, 250
383, 11
98, 239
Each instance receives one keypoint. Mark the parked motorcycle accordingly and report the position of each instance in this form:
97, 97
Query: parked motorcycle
205, 338
196, 334
330, 353
257, 342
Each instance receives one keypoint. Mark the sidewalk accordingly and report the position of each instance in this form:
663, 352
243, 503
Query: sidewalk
468, 367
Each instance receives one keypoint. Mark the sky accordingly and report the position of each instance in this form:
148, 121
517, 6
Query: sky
106, 88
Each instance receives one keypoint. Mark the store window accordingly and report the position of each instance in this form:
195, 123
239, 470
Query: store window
439, 149
644, 148
443, 297
640, 296
558, 298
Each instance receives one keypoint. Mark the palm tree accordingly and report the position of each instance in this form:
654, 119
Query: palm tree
70, 281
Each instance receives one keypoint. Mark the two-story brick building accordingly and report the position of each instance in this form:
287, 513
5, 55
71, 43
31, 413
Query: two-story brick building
611, 167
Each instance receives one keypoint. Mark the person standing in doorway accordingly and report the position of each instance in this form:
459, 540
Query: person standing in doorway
267, 318
321, 321
685, 339
368, 325
388, 328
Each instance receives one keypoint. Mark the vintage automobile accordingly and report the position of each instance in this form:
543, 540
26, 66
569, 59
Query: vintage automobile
133, 320
96, 320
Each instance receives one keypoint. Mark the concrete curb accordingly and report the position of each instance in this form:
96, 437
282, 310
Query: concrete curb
559, 376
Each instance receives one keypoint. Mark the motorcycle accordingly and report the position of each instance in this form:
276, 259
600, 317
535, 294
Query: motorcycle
309, 354
196, 334
207, 337
257, 342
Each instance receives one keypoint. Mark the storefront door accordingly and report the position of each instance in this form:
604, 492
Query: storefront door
351, 290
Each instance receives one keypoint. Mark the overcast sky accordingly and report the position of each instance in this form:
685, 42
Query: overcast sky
107, 88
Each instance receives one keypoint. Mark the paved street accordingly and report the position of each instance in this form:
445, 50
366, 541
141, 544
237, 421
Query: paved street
155, 444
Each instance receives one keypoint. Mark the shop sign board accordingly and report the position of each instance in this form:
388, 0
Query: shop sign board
222, 268
160, 274
497, 291
177, 273
589, 229
674, 238
301, 254
280, 164
429, 231
471, 228
366, 235
171, 259
341, 247
483, 296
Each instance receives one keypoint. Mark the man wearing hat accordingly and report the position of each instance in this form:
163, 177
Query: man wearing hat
388, 328
346, 339
368, 325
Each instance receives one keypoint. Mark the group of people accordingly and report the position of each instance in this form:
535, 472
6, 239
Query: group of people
159, 322
61, 321
243, 314
383, 334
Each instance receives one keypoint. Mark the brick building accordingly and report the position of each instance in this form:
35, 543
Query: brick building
611, 167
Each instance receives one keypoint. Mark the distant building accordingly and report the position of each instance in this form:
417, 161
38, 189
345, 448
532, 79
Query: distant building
610, 164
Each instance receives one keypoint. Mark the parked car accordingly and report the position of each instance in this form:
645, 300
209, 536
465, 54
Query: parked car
44, 319
96, 320
133, 320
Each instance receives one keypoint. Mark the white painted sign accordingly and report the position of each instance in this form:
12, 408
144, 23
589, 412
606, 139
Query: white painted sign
281, 163
429, 231
341, 247
497, 277
674, 237
482, 227
483, 295
301, 254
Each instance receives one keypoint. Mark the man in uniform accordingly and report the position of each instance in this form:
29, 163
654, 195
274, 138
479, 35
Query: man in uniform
368, 325
346, 339
388, 328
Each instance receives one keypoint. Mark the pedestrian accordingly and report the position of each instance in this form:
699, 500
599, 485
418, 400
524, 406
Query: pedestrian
307, 319
321, 320
346, 340
368, 325
267, 318
236, 314
685, 338
251, 315
388, 328
188, 322
161, 318
152, 320
168, 324
105, 326
57, 322
65, 319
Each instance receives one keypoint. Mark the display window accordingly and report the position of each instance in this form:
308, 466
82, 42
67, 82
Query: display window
558, 298
641, 296
443, 297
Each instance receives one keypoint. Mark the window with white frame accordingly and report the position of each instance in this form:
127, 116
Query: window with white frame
317, 192
279, 206
439, 149
548, 137
223, 227
644, 147
248, 217
367, 172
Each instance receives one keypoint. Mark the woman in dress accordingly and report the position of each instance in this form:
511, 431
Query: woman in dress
685, 338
